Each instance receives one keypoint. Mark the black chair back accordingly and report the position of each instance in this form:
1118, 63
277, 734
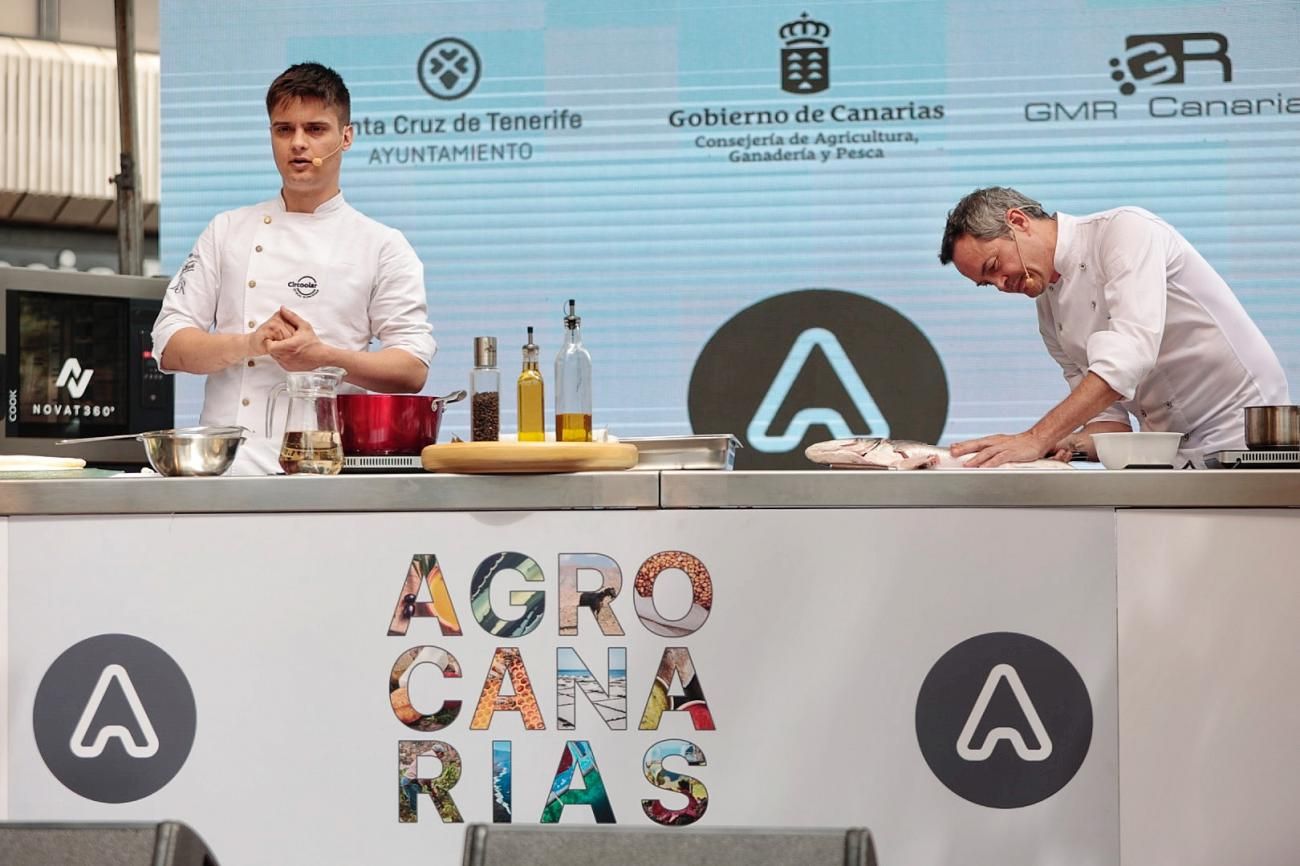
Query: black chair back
169, 843
586, 845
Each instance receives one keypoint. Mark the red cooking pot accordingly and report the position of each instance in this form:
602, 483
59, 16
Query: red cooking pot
378, 425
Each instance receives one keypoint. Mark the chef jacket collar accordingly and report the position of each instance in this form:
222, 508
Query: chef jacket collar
1063, 259
327, 207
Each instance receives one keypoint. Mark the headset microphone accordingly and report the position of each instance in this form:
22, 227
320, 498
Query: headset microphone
318, 161
1019, 254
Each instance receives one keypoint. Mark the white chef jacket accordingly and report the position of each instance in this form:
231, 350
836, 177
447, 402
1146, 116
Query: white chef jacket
350, 277
1138, 305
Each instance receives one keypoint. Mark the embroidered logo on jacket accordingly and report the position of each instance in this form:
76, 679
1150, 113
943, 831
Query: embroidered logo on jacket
178, 282
304, 287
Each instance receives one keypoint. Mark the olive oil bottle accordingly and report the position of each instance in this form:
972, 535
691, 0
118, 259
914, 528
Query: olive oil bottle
531, 396
572, 384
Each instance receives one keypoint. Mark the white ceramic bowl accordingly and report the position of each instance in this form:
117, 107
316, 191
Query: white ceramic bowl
1121, 450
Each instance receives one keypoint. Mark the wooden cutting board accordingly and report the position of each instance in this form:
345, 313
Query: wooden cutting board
505, 458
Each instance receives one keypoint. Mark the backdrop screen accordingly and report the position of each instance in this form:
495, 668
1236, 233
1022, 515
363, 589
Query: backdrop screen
746, 200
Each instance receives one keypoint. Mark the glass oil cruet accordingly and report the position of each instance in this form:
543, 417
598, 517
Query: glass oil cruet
530, 393
311, 444
572, 384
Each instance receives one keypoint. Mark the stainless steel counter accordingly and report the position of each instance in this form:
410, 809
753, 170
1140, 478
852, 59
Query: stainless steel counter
400, 492
1235, 488
985, 488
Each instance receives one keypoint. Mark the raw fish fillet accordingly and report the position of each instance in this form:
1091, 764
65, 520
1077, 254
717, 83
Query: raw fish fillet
878, 453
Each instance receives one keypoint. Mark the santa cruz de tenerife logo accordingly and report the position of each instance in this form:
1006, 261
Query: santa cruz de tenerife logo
449, 68
805, 57
1004, 720
114, 718
812, 365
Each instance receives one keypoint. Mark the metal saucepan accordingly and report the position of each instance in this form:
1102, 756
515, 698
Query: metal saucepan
380, 425
1272, 427
185, 451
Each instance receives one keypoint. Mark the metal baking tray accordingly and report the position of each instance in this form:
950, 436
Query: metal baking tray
708, 451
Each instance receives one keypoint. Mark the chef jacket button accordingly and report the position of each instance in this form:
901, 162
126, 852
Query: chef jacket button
1143, 413
1083, 266
244, 401
258, 248
1060, 328
252, 284
1094, 305
250, 362
1169, 404
252, 324
266, 219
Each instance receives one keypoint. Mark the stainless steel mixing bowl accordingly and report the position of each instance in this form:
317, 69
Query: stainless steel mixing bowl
192, 450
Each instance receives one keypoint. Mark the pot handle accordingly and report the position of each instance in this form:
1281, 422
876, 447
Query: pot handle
454, 397
97, 439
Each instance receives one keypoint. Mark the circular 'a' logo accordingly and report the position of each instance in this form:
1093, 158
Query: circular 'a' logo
449, 68
813, 365
114, 718
1004, 720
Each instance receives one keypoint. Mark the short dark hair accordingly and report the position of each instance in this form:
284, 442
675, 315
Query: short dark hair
983, 215
311, 81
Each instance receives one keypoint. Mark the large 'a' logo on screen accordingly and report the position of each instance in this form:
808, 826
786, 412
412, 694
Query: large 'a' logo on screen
829, 417
813, 365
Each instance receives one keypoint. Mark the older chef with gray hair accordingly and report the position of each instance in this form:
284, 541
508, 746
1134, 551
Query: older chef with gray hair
1139, 322
297, 282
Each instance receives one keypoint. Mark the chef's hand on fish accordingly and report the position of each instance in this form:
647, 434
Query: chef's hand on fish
991, 451
301, 349
873, 452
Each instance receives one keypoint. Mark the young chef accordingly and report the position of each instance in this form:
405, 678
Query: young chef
1138, 320
297, 282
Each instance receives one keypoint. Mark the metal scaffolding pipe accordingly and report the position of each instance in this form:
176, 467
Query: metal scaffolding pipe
130, 222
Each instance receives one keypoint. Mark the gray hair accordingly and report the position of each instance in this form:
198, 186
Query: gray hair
983, 216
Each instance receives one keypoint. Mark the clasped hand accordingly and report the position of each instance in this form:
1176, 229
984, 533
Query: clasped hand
290, 340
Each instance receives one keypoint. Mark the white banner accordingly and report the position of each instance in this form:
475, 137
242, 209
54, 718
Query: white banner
944, 677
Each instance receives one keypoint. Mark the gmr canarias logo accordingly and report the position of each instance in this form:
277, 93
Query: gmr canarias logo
813, 365
1162, 58
114, 718
75, 379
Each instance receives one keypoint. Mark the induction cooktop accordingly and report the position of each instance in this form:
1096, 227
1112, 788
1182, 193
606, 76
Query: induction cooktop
1288, 458
388, 463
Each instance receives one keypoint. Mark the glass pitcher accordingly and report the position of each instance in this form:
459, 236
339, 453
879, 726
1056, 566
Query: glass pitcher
311, 444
